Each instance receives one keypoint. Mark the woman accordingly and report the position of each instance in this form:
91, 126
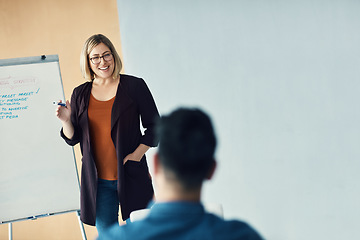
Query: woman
104, 117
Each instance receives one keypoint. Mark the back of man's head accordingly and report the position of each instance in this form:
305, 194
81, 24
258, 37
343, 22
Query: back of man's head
187, 145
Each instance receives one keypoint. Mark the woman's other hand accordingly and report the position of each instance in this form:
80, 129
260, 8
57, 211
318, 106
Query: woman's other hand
131, 157
137, 154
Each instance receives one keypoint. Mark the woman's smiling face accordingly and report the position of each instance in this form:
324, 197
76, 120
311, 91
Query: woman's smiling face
104, 69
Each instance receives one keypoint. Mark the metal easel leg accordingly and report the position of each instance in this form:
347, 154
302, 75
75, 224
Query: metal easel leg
83, 234
10, 231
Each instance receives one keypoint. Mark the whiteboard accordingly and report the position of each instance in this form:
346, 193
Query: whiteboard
38, 174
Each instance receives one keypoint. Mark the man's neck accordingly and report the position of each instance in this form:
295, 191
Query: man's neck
171, 193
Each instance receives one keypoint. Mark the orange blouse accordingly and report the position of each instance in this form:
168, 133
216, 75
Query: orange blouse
99, 113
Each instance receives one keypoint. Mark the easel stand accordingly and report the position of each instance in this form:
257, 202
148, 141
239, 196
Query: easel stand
83, 234
82, 229
10, 231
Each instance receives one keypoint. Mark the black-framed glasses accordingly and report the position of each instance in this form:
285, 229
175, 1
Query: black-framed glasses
107, 57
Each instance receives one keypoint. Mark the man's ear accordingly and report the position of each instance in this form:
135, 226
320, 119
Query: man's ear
156, 163
212, 170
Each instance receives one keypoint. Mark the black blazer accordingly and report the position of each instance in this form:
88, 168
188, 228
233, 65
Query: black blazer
133, 101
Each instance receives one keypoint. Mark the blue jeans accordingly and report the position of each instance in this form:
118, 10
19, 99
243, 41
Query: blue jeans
107, 205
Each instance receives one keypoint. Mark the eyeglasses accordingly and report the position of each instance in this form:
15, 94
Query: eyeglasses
107, 57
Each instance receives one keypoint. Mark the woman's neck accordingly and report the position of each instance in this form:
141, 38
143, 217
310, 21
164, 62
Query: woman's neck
104, 89
106, 81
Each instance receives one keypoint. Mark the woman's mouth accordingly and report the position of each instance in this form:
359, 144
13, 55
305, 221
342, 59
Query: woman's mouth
104, 68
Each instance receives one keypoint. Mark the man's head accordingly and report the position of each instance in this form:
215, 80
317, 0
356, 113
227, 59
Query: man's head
187, 147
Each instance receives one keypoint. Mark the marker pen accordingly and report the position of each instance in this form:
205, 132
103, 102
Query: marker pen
59, 103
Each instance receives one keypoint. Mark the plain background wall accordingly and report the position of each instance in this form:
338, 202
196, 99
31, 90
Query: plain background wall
33, 28
281, 81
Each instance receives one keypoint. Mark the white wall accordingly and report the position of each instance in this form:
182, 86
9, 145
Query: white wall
281, 82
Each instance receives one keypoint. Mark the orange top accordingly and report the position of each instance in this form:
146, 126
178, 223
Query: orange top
99, 113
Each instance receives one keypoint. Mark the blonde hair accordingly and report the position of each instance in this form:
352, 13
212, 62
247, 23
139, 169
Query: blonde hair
89, 45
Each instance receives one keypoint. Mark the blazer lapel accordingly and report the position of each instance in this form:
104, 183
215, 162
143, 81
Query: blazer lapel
121, 103
84, 101
83, 111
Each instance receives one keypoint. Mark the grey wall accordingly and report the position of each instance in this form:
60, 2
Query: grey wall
281, 82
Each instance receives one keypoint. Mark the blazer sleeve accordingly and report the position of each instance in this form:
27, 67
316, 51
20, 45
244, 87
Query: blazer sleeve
148, 113
74, 120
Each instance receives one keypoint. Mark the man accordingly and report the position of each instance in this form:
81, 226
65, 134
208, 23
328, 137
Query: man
184, 160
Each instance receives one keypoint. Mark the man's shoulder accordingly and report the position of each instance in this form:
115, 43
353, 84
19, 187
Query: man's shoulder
231, 229
127, 231
114, 232
208, 227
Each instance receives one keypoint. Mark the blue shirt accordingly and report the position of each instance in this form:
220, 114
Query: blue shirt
181, 220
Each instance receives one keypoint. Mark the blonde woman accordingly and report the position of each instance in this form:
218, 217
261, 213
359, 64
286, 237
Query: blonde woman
104, 117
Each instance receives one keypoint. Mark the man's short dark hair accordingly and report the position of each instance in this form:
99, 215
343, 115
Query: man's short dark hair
187, 145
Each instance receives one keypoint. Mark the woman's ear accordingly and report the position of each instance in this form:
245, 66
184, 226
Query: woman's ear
212, 170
